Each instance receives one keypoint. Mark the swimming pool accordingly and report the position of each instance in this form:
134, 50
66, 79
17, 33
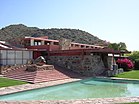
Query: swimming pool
88, 88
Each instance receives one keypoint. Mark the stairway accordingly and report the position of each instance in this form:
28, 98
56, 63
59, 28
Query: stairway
36, 76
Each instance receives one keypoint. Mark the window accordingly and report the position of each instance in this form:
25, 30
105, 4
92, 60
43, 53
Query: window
56, 43
82, 46
76, 45
47, 43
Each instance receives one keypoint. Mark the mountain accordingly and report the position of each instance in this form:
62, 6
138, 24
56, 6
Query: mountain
14, 34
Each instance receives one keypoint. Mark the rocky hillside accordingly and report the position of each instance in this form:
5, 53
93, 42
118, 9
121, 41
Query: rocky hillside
14, 34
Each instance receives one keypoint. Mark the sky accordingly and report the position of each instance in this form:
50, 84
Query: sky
110, 20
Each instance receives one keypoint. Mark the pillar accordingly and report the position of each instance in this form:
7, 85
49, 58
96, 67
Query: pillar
32, 42
42, 42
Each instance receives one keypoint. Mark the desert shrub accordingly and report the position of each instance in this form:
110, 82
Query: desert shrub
136, 65
126, 64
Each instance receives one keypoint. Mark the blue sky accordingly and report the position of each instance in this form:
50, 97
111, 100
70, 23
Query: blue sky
111, 20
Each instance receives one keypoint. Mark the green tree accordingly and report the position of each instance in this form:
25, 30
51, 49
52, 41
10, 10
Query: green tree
122, 46
113, 46
134, 55
118, 46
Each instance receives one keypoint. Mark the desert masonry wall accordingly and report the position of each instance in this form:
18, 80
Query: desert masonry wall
90, 65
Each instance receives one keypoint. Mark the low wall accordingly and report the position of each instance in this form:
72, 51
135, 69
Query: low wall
6, 68
90, 65
111, 73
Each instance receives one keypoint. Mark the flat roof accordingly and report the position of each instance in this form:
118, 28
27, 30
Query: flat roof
51, 40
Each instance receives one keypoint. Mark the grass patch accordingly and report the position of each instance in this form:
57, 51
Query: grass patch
5, 82
134, 74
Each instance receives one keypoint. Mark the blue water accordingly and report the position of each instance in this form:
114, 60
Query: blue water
89, 88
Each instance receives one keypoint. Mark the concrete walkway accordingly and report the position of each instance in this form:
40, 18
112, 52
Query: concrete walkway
83, 101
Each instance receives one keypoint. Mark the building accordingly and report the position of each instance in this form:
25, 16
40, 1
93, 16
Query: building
52, 45
90, 60
10, 55
86, 59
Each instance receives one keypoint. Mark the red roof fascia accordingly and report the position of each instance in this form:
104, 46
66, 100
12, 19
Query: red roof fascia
19, 49
88, 50
9, 46
38, 38
86, 44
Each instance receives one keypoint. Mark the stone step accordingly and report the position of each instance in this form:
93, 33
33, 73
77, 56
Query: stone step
19, 74
41, 79
39, 75
22, 71
9, 70
23, 79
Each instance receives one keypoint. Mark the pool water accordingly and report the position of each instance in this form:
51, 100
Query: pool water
89, 88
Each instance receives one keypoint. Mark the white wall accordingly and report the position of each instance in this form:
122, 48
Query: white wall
12, 57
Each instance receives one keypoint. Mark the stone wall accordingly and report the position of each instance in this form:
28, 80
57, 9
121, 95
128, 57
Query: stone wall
90, 65
64, 44
7, 68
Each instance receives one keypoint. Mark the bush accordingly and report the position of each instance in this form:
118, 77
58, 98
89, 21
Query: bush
126, 64
135, 57
136, 65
